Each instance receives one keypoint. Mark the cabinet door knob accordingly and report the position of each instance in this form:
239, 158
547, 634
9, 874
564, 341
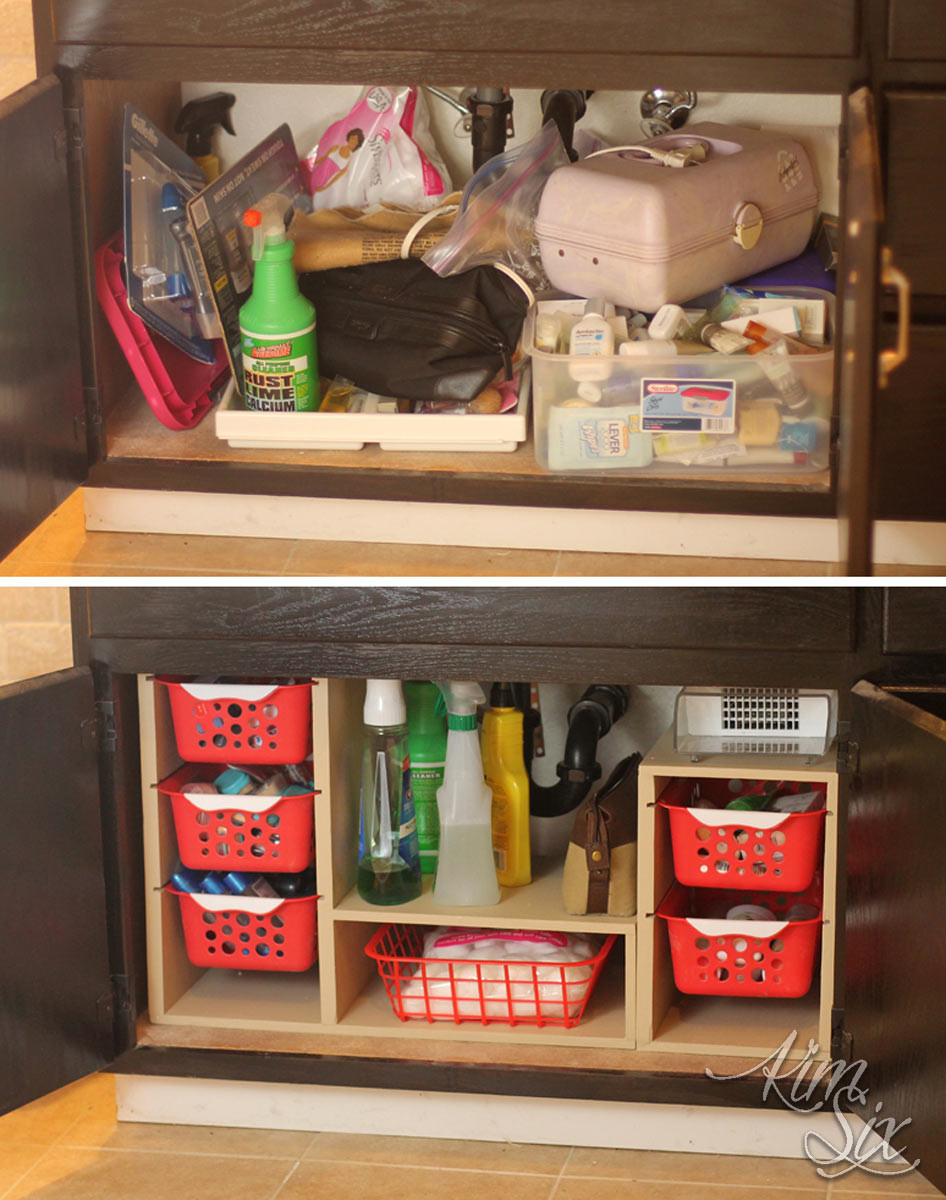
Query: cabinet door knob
892, 277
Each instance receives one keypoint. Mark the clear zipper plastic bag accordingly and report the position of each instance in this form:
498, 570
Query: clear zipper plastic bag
496, 221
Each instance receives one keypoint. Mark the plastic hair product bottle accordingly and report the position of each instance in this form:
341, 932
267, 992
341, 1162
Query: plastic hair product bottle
388, 855
277, 323
466, 872
427, 742
508, 781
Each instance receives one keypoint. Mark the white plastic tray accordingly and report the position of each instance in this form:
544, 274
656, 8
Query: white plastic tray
393, 431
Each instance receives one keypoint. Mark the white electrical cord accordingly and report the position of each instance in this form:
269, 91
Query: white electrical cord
685, 156
516, 278
419, 224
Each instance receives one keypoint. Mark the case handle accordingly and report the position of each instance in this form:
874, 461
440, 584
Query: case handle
892, 277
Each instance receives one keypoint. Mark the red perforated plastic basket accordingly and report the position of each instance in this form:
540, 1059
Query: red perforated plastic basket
714, 846
490, 992
223, 833
240, 722
713, 956
249, 933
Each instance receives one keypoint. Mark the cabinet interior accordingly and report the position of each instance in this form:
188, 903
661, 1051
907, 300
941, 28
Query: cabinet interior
635, 1015
133, 435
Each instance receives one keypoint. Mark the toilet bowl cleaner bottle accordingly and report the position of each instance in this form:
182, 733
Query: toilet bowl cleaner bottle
388, 856
466, 872
504, 764
277, 323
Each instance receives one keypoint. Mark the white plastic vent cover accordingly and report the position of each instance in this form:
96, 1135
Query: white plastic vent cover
730, 720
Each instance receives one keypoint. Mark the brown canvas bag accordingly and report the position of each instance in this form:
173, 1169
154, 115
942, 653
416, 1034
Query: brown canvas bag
601, 862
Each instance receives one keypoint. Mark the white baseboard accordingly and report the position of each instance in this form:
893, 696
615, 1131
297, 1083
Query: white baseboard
764, 1133
809, 539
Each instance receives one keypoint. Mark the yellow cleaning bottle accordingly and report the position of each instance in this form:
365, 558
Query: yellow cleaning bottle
506, 774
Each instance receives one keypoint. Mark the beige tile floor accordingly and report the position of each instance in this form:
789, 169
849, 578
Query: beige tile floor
69, 1146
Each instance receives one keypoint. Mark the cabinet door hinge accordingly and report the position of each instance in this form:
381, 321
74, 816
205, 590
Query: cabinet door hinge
848, 749
98, 732
90, 416
842, 1042
74, 119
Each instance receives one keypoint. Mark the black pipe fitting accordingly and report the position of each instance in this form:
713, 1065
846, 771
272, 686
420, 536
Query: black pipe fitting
588, 721
491, 109
565, 107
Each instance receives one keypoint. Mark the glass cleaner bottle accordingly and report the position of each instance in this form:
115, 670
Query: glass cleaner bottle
388, 855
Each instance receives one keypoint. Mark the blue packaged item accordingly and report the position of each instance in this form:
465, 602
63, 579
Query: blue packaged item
155, 265
241, 884
186, 880
214, 885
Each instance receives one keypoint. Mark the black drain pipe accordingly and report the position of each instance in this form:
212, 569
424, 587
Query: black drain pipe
588, 721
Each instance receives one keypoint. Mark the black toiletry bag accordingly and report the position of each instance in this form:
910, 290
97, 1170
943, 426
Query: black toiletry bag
399, 329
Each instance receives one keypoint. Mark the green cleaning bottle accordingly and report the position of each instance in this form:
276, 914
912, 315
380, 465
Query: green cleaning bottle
427, 742
277, 323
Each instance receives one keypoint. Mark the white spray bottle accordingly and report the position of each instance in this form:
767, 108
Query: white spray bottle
466, 871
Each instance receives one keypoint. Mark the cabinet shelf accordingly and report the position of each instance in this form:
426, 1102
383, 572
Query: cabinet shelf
537, 905
732, 1025
604, 1022
274, 1000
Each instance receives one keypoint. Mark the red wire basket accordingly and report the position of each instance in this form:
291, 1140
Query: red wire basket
714, 956
718, 847
249, 933
240, 722
490, 992
215, 832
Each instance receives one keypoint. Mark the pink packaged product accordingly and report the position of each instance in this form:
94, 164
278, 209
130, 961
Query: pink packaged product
179, 389
676, 216
381, 151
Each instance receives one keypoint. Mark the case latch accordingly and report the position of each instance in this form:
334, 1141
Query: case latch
747, 226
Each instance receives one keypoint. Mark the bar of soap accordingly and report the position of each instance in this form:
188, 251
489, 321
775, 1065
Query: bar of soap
759, 426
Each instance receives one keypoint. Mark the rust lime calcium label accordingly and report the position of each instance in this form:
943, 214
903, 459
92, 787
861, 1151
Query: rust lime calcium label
279, 372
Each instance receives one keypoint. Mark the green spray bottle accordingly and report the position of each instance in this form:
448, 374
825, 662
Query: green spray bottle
277, 323
427, 742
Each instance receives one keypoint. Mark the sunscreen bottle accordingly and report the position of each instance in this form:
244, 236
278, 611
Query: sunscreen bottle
466, 872
506, 775
591, 343
277, 323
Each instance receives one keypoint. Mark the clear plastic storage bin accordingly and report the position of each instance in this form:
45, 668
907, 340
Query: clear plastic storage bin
682, 414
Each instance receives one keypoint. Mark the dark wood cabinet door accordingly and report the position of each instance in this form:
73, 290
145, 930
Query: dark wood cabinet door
43, 454
56, 1020
915, 180
895, 924
858, 278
